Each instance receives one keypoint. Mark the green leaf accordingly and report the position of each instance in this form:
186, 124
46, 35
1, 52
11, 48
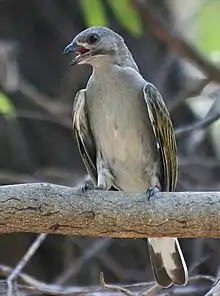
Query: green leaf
6, 107
127, 16
208, 37
94, 12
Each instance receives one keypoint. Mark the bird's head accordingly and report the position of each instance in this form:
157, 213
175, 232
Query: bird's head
95, 45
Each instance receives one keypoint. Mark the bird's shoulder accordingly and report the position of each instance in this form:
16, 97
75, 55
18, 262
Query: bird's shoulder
127, 75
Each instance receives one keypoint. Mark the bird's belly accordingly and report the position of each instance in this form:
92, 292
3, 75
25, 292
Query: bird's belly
123, 134
129, 159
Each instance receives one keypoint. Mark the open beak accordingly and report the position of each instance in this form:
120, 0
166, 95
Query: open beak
70, 48
82, 52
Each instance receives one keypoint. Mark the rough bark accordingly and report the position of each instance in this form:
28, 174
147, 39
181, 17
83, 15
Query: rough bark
43, 207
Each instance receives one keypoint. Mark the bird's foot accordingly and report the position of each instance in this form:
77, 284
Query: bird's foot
86, 187
151, 191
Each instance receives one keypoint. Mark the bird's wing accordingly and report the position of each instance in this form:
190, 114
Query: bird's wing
164, 134
83, 134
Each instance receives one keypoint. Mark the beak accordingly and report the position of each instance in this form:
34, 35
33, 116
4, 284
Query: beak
82, 53
72, 47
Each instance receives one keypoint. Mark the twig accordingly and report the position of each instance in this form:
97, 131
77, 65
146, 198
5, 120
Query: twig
120, 271
55, 109
113, 287
196, 264
53, 106
205, 162
52, 289
173, 290
215, 291
202, 277
22, 290
202, 124
89, 253
26, 258
154, 290
42, 117
190, 92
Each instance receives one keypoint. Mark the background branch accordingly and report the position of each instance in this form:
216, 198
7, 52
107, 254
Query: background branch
201, 124
48, 208
176, 41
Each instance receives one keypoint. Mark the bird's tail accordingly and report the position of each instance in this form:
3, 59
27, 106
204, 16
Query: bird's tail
167, 261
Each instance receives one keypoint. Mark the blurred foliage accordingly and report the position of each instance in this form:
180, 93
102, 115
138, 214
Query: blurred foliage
208, 26
94, 15
6, 107
128, 18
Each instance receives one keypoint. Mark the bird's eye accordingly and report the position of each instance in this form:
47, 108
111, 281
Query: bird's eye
93, 38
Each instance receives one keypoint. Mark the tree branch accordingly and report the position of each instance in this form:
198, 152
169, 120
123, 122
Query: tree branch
176, 42
48, 208
201, 124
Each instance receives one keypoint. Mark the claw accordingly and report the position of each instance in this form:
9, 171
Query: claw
100, 187
86, 187
151, 191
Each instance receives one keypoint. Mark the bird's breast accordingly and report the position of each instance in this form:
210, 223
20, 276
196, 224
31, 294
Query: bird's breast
121, 128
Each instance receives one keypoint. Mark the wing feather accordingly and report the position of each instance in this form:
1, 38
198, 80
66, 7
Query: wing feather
83, 134
164, 134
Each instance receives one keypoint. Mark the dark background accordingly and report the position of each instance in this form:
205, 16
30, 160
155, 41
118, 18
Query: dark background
36, 143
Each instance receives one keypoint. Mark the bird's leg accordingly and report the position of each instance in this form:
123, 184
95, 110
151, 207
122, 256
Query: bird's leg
87, 187
105, 177
151, 191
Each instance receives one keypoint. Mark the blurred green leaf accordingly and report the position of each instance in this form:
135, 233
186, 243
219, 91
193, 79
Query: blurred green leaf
94, 12
6, 107
127, 16
208, 27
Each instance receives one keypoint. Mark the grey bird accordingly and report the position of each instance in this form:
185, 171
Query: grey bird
125, 135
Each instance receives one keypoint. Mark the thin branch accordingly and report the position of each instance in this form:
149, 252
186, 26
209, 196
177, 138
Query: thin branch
54, 289
175, 41
22, 290
51, 289
26, 258
114, 287
42, 117
212, 116
201, 161
215, 291
57, 110
177, 290
191, 91
152, 291
201, 124
89, 253
118, 270
48, 208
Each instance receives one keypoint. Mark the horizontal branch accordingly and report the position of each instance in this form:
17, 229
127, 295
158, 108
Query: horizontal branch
48, 208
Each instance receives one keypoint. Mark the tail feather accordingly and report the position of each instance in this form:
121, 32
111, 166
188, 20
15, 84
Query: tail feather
167, 261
